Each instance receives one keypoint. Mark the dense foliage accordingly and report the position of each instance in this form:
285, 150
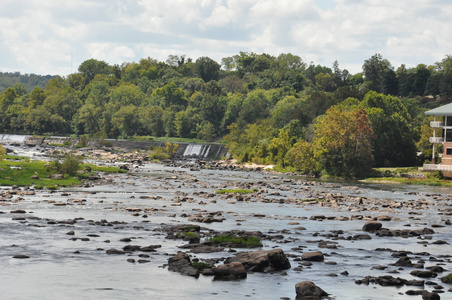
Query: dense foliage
274, 110
22, 82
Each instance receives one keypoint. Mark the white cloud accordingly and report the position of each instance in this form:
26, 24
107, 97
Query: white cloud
41, 36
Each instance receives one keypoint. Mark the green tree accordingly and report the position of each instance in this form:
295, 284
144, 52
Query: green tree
379, 75
206, 131
394, 143
343, 141
279, 146
152, 120
186, 123
91, 67
302, 157
125, 121
287, 109
169, 95
37, 97
127, 94
207, 69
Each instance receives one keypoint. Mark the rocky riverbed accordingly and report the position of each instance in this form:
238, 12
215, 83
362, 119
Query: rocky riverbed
137, 235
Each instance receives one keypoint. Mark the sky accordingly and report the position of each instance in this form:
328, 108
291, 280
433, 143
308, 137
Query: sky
54, 37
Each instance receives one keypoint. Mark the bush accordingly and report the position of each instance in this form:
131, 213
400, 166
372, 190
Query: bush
2, 152
159, 153
69, 165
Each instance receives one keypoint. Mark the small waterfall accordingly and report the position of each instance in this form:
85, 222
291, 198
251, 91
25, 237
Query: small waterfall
196, 150
12, 138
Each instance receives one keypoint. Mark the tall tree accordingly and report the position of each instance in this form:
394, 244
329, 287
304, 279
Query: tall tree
394, 144
343, 141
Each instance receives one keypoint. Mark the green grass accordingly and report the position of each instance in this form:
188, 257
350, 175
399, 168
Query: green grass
447, 278
200, 265
238, 242
238, 191
189, 235
417, 181
20, 171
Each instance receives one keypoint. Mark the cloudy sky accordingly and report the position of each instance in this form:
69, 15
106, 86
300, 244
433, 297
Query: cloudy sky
54, 36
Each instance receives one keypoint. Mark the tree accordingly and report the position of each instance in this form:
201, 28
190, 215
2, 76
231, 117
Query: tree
303, 158
206, 131
186, 122
91, 67
394, 143
379, 75
127, 94
207, 69
88, 119
279, 146
7, 98
37, 97
168, 95
288, 109
343, 141
125, 121
151, 119
255, 106
290, 61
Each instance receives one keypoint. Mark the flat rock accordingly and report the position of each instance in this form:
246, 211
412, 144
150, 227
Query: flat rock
313, 256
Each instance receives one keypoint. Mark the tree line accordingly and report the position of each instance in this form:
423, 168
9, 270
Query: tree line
270, 109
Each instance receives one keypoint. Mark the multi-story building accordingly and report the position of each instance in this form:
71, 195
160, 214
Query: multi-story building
442, 134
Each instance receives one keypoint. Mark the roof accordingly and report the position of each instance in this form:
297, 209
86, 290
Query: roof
445, 110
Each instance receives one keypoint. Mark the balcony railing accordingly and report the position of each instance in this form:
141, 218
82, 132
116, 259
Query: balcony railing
436, 140
436, 124
432, 167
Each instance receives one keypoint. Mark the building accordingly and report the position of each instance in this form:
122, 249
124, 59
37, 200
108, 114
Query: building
442, 134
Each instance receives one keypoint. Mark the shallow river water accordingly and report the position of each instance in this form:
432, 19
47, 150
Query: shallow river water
62, 266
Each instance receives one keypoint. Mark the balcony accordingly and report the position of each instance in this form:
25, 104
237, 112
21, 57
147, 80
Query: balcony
436, 140
436, 124
432, 167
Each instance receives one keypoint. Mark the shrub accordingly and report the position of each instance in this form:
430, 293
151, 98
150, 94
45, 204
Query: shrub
158, 153
2, 152
171, 148
200, 265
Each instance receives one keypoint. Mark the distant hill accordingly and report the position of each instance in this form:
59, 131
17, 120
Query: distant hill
30, 81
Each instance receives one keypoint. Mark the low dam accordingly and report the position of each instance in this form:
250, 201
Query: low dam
185, 150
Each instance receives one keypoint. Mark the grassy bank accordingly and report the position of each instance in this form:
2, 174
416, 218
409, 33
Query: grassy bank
410, 175
23, 172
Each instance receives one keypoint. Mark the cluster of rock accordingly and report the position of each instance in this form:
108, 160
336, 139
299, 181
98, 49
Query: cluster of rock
236, 267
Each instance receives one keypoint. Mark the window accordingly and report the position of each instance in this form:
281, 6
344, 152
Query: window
449, 121
448, 135
449, 151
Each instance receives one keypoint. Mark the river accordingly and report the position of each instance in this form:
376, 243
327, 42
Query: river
62, 266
